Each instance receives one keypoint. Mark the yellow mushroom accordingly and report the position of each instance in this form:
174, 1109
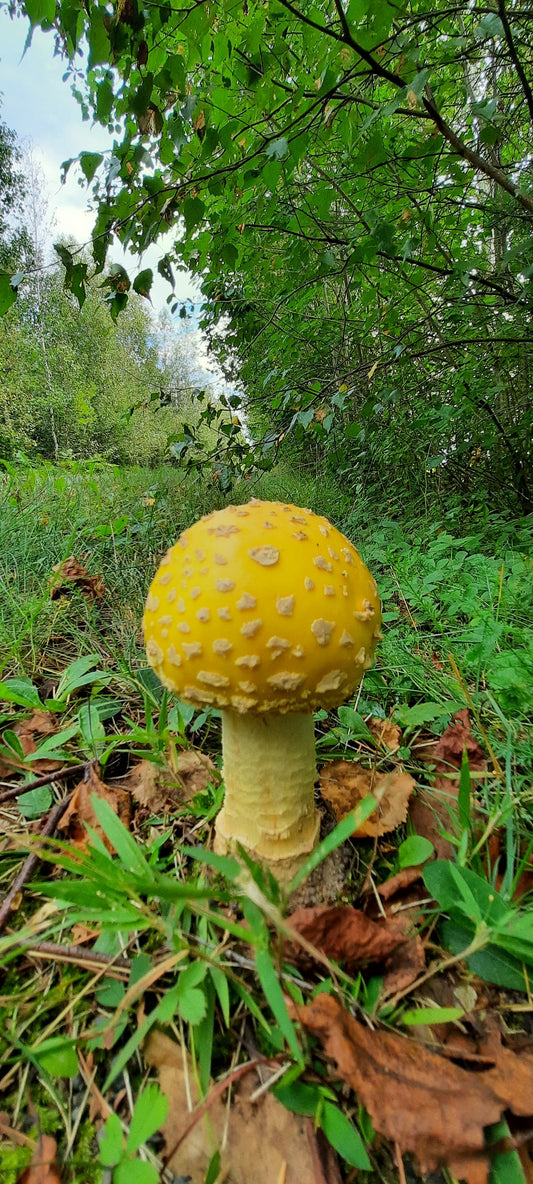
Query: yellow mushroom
267, 612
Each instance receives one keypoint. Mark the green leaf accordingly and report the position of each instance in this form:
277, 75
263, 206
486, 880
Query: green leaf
465, 792
414, 850
143, 282
277, 149
135, 1171
505, 1166
344, 1137
58, 1056
89, 162
355, 724
274, 997
192, 1005
432, 1015
20, 691
98, 39
151, 1109
127, 849
8, 294
40, 11
112, 1142
35, 802
298, 1097
213, 1170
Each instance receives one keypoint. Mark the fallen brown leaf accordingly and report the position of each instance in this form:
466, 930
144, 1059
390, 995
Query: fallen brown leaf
418, 1099
435, 810
264, 1142
43, 1168
79, 813
388, 735
160, 790
343, 933
69, 574
29, 731
344, 784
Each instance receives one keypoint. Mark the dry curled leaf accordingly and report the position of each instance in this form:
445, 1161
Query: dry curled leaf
69, 574
43, 1168
434, 810
29, 732
80, 813
387, 734
418, 1099
160, 790
238, 1132
344, 784
343, 933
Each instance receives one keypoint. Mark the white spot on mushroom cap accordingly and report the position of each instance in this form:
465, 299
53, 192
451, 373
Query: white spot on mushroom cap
278, 643
220, 559
164, 633
171, 596
203, 614
246, 601
324, 531
299, 518
347, 555
346, 638
285, 680
181, 605
268, 526
154, 653
198, 695
221, 645
224, 613
298, 652
200, 555
360, 656
167, 620
225, 529
299, 536
165, 578
183, 541
250, 628
212, 678
266, 556
366, 614
322, 630
152, 603
322, 563
195, 593
331, 681
308, 584
329, 590
173, 656
250, 660
345, 590
188, 572
332, 554
183, 627
224, 585
192, 649
285, 606
247, 687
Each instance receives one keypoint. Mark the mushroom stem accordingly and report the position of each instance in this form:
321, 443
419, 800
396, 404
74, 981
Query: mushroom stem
269, 773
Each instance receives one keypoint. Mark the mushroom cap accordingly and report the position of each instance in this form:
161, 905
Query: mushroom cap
262, 607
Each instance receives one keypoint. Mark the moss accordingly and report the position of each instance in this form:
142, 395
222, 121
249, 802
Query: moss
13, 1160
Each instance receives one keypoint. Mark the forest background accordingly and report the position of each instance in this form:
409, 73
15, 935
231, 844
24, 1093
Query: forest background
351, 187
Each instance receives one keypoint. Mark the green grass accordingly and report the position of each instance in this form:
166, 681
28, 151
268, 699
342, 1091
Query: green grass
457, 605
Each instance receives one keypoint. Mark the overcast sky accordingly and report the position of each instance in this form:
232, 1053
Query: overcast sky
40, 108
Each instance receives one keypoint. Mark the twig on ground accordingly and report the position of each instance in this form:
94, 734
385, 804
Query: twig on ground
46, 779
89, 959
29, 865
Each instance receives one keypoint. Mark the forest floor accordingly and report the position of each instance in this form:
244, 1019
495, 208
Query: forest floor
165, 1015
